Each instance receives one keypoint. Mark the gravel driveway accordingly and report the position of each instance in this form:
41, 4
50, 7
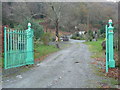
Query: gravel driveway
68, 68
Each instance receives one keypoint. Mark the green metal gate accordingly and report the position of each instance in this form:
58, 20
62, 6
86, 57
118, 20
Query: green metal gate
18, 47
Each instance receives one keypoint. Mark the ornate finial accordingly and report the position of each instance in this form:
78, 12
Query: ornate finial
5, 27
110, 21
29, 25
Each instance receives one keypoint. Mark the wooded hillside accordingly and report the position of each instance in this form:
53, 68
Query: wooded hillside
83, 15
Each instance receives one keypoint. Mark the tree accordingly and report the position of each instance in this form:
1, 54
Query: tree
55, 11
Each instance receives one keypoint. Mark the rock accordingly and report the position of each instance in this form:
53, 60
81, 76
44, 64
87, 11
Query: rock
19, 76
60, 77
8, 80
38, 64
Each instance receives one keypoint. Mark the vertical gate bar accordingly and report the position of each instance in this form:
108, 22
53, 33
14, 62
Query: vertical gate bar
11, 48
25, 47
16, 39
17, 47
13, 59
16, 55
8, 53
20, 47
106, 50
5, 48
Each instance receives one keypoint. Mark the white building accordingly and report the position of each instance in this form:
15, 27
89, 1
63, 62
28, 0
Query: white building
81, 32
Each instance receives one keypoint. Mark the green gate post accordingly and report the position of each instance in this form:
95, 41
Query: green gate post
110, 43
30, 59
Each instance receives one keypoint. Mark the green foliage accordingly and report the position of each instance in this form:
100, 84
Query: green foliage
46, 38
39, 20
89, 36
38, 29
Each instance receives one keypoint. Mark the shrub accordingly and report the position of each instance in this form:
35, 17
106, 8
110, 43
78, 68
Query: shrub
77, 36
89, 36
73, 37
46, 38
38, 29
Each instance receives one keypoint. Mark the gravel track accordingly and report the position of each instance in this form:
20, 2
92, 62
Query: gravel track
67, 68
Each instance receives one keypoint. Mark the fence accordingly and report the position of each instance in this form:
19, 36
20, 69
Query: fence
18, 47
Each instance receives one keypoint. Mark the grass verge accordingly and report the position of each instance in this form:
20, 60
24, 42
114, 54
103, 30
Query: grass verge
43, 50
96, 48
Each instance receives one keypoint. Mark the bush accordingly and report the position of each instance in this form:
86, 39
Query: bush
77, 36
38, 29
46, 38
89, 36
73, 37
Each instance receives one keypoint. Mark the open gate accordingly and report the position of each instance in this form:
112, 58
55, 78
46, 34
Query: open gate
18, 47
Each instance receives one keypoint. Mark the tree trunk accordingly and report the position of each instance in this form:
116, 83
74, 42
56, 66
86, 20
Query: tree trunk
57, 33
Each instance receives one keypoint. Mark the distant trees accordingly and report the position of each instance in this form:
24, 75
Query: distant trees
63, 16
15, 12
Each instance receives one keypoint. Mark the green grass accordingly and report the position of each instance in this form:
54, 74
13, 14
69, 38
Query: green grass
96, 48
42, 50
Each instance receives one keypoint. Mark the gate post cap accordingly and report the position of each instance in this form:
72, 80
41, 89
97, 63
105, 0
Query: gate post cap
5, 27
110, 21
29, 24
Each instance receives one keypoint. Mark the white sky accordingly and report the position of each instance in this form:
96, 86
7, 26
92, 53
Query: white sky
59, 0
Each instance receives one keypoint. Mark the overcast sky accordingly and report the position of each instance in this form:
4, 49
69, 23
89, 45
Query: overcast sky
59, 0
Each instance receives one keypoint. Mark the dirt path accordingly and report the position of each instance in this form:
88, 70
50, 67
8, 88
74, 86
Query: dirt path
68, 68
